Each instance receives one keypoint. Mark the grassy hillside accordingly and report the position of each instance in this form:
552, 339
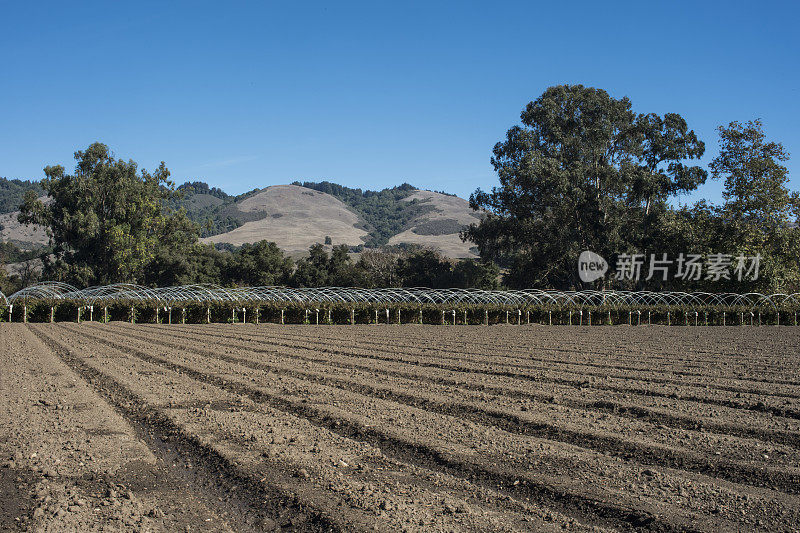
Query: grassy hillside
440, 226
394, 216
295, 218
385, 211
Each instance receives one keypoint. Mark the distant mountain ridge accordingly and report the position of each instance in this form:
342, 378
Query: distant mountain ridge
301, 214
296, 216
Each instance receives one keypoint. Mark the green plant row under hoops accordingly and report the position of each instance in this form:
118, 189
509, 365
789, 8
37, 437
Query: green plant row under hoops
212, 303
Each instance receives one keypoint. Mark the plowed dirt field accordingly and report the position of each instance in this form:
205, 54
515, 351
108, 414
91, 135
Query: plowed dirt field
398, 428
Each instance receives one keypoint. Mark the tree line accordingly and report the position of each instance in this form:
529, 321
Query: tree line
584, 172
110, 222
581, 172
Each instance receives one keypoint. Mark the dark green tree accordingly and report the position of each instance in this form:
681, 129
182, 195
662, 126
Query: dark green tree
425, 268
756, 182
474, 274
341, 271
760, 213
259, 264
312, 271
666, 142
197, 264
108, 220
583, 171
319, 269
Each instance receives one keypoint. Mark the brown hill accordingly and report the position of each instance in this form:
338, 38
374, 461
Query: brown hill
26, 237
297, 217
439, 227
294, 218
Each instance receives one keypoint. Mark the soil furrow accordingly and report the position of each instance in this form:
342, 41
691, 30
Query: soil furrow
587, 509
405, 428
517, 369
758, 405
423, 452
255, 504
379, 338
584, 359
618, 405
208, 386
516, 423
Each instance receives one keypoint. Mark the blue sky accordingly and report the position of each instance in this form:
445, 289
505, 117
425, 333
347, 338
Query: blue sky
369, 95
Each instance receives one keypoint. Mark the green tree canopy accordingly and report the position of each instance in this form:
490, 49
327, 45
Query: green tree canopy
759, 214
107, 220
583, 171
259, 264
425, 268
312, 271
756, 182
320, 269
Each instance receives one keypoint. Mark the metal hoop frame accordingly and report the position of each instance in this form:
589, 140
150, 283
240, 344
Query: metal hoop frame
208, 294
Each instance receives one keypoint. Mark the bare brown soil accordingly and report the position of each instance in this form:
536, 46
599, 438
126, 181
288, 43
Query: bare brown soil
385, 427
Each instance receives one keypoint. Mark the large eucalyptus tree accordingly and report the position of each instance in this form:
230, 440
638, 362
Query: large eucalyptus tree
582, 171
108, 220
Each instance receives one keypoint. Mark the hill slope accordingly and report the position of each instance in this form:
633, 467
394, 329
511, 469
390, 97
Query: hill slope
439, 226
11, 193
26, 237
294, 218
299, 215
384, 212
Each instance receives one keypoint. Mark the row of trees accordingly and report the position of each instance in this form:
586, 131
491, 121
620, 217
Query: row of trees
581, 172
263, 264
584, 172
112, 222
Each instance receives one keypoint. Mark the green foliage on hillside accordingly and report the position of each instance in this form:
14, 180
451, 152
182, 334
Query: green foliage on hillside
11, 253
201, 187
13, 191
442, 226
211, 208
385, 212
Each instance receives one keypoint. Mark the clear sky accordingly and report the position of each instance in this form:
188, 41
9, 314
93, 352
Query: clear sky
245, 95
